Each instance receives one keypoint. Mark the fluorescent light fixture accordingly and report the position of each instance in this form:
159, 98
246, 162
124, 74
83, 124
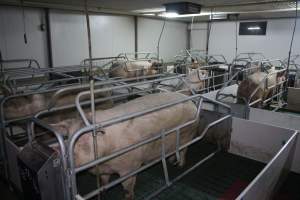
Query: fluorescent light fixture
254, 28
182, 16
169, 15
149, 14
150, 10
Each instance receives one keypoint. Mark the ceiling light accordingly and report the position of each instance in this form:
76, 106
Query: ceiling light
254, 28
150, 10
169, 14
149, 14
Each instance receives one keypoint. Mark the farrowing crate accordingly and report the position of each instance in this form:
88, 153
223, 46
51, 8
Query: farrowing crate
13, 139
248, 139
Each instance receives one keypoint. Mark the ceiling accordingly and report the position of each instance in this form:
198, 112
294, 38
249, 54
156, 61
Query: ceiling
248, 9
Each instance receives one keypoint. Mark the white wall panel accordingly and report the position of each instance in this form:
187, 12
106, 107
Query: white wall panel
110, 35
173, 40
199, 36
12, 43
275, 44
69, 37
222, 39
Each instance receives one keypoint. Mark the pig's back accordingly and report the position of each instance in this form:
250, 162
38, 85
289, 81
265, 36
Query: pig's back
139, 104
140, 128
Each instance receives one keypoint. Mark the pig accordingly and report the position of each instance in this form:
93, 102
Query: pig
129, 132
255, 80
195, 80
129, 69
29, 105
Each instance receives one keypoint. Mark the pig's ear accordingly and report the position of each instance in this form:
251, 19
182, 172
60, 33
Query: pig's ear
62, 128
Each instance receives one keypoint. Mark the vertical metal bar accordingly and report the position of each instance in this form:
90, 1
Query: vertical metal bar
95, 143
163, 155
292, 40
29, 132
136, 36
189, 38
208, 31
177, 145
236, 35
49, 39
159, 39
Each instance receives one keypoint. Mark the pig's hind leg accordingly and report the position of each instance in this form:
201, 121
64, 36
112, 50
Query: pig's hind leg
128, 186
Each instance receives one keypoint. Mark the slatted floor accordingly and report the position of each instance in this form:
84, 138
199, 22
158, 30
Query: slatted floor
223, 176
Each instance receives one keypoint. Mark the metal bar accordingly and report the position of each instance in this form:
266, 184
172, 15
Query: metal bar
20, 60
109, 89
125, 150
177, 145
91, 194
182, 175
136, 35
255, 102
122, 151
163, 156
267, 166
49, 42
102, 83
269, 99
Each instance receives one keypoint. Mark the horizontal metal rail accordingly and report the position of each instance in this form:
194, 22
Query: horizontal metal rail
88, 128
102, 83
265, 80
109, 89
30, 61
219, 93
85, 103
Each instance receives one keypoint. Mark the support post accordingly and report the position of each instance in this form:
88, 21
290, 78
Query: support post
136, 36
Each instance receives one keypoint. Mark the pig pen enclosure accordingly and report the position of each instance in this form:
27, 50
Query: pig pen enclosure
158, 177
133, 127
41, 167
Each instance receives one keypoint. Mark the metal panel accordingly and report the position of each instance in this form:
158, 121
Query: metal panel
274, 45
198, 36
12, 152
12, 44
174, 37
265, 184
285, 120
294, 99
257, 141
110, 34
69, 37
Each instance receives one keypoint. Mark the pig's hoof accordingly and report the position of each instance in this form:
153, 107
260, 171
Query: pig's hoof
128, 195
181, 163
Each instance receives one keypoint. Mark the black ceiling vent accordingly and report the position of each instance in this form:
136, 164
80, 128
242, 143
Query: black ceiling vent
183, 8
